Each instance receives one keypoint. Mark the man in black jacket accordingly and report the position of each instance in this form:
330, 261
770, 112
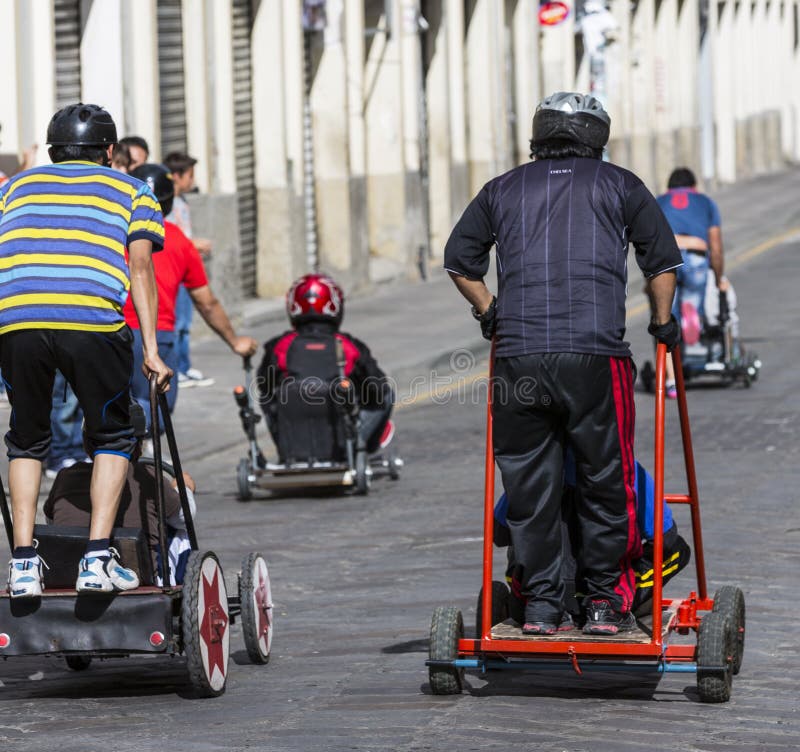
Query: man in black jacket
561, 225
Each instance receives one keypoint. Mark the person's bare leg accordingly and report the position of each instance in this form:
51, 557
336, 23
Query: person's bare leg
670, 369
24, 479
108, 480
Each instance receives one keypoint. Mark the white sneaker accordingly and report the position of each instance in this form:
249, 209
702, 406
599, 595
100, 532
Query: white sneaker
104, 575
25, 578
195, 378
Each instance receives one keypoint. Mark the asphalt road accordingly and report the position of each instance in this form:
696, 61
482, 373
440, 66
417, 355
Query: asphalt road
355, 581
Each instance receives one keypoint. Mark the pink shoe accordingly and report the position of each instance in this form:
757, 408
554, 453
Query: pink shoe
691, 325
672, 392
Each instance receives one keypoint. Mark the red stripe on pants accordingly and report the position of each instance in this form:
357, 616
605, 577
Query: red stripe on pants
622, 385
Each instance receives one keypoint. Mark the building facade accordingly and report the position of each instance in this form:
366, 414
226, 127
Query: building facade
348, 135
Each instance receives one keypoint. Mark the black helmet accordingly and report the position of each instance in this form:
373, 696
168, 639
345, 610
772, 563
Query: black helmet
572, 117
159, 178
82, 125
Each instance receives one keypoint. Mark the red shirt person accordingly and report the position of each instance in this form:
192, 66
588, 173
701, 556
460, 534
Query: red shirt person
179, 263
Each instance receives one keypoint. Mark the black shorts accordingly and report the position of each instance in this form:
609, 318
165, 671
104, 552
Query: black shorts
98, 367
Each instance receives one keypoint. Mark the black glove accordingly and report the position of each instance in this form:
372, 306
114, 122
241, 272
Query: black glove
668, 334
487, 319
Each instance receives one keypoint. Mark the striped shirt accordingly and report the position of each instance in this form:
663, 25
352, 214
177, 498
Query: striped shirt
63, 232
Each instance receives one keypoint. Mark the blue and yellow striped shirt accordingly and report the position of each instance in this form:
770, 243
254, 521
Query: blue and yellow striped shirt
63, 233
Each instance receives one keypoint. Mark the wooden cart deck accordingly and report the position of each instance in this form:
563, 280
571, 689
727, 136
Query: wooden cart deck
511, 630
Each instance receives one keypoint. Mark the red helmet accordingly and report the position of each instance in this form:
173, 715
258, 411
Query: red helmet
315, 297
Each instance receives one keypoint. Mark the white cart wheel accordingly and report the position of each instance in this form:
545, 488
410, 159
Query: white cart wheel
255, 594
205, 624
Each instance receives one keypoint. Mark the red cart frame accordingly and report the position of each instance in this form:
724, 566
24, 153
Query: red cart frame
715, 666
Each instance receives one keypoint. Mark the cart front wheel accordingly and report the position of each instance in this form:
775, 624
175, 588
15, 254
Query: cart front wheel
715, 650
243, 480
447, 627
729, 601
362, 473
500, 606
255, 595
205, 624
78, 662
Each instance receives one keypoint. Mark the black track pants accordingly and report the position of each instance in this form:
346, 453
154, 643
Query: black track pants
542, 402
98, 367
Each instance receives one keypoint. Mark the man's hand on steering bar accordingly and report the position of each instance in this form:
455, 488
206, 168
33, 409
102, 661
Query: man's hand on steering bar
154, 364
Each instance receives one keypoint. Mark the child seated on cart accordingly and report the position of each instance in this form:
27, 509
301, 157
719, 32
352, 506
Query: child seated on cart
299, 367
675, 556
69, 504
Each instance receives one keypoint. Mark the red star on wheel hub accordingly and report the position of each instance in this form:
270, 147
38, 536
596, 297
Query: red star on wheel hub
214, 624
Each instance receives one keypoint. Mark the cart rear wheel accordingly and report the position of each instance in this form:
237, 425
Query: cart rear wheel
648, 376
500, 606
447, 627
715, 651
729, 601
78, 662
243, 480
362, 473
255, 595
205, 624
394, 464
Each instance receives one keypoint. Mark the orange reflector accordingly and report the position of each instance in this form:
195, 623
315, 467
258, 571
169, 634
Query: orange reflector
238, 389
5, 640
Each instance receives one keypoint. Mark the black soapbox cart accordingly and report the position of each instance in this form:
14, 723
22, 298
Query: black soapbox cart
192, 619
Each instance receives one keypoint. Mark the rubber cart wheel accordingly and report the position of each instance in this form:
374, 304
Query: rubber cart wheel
78, 662
362, 476
714, 658
729, 601
500, 606
255, 595
394, 468
447, 627
205, 624
243, 480
648, 376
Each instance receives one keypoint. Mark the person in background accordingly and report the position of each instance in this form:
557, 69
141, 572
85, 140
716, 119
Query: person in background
178, 265
66, 446
138, 150
181, 165
121, 158
695, 220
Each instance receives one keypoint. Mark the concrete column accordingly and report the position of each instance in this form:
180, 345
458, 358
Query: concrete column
35, 37
487, 113
724, 94
619, 98
386, 188
666, 68
416, 214
456, 65
527, 92
644, 97
439, 123
10, 142
139, 45
197, 91
102, 57
331, 141
277, 116
685, 94
357, 142
219, 80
